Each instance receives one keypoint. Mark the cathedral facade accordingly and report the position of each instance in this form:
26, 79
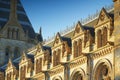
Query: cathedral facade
16, 32
89, 52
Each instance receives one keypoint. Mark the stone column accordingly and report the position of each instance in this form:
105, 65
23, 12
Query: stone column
89, 65
116, 34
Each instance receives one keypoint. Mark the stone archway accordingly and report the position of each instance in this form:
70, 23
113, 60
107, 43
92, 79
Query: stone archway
78, 74
102, 70
57, 78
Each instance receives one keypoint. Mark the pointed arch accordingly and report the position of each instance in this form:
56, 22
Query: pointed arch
57, 78
17, 34
7, 53
39, 65
9, 75
105, 34
102, 16
13, 33
77, 74
75, 49
16, 52
58, 56
99, 38
79, 47
8, 33
36, 63
54, 58
23, 72
102, 70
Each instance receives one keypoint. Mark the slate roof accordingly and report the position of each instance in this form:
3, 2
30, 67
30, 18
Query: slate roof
39, 37
91, 29
21, 15
90, 25
47, 48
68, 40
31, 56
2, 70
16, 65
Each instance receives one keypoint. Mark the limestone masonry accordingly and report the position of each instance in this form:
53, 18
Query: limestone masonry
89, 52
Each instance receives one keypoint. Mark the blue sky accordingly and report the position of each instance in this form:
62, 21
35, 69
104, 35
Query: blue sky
55, 15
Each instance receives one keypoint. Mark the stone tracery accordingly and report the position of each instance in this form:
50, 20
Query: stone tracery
102, 71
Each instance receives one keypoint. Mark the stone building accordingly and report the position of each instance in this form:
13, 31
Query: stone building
16, 31
89, 52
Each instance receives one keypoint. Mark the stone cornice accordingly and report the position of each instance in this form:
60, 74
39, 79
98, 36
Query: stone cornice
104, 51
102, 23
78, 61
56, 70
39, 75
77, 35
59, 45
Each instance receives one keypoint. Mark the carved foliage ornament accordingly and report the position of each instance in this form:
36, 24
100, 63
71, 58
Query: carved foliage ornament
77, 30
102, 16
63, 48
57, 41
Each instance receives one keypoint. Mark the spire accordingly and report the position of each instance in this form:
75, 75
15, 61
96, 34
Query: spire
13, 10
10, 62
40, 30
39, 36
24, 54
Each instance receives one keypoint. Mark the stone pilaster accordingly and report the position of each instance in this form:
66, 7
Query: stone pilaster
117, 39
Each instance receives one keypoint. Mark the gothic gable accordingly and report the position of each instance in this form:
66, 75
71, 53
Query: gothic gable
103, 16
39, 49
78, 28
57, 40
23, 57
10, 64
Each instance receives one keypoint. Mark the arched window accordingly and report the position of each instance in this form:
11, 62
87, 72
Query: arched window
46, 58
37, 66
104, 36
102, 73
75, 49
7, 53
13, 33
77, 76
9, 76
21, 69
16, 52
79, 47
63, 49
22, 73
99, 39
58, 56
40, 65
54, 58
8, 33
17, 34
